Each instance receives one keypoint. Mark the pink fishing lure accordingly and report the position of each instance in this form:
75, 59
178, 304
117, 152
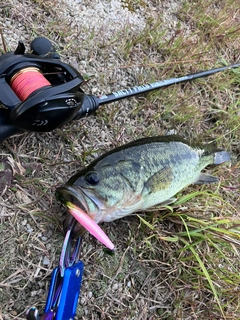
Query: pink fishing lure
90, 225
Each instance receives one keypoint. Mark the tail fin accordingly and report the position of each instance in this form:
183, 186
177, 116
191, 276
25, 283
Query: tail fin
221, 156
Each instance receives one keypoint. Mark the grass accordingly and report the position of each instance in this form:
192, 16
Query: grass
178, 262
209, 245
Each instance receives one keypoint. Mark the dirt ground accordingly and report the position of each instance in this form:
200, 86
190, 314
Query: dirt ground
115, 45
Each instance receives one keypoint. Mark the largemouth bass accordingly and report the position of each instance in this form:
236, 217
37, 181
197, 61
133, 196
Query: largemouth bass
137, 176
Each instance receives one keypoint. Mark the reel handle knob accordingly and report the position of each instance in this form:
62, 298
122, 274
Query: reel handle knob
43, 47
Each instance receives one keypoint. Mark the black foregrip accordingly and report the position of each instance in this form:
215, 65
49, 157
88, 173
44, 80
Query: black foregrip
7, 129
89, 106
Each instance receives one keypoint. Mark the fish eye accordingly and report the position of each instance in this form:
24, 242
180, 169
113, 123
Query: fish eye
92, 178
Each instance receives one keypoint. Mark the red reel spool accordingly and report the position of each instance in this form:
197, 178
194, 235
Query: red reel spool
27, 81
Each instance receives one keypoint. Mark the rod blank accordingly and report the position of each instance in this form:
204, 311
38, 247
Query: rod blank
130, 92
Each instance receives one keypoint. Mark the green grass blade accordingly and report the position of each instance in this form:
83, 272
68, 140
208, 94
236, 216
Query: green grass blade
204, 270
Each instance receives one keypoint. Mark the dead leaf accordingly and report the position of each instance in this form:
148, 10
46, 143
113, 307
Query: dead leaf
17, 168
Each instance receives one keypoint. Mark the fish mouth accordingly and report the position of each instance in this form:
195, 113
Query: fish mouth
78, 203
73, 195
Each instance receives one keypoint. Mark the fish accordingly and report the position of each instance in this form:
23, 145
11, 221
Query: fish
135, 177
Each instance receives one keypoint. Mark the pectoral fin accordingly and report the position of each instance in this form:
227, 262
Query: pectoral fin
205, 178
159, 181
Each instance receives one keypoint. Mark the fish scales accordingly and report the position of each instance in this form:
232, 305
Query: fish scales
178, 163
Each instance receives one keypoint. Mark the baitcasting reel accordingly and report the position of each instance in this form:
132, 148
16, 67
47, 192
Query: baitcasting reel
39, 93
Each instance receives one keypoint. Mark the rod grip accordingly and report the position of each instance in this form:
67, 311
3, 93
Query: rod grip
7, 129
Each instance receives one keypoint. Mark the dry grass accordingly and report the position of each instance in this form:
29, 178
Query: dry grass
181, 262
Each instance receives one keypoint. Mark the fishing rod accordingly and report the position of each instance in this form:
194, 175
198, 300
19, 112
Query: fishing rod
130, 92
39, 93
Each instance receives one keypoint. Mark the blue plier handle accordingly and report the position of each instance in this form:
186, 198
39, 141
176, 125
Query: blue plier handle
65, 285
66, 304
